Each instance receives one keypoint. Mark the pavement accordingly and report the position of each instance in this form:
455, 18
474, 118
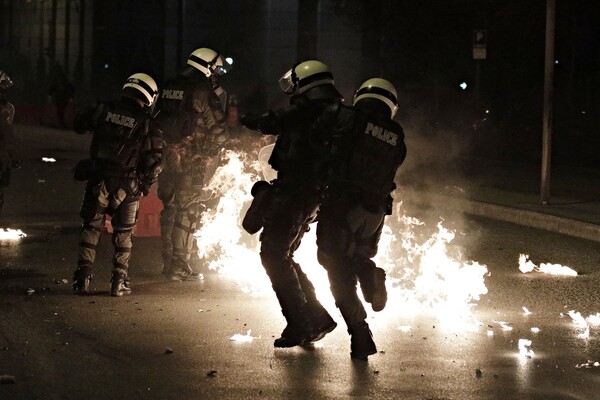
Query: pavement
501, 190
172, 340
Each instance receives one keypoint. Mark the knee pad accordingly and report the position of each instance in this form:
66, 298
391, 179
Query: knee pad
194, 210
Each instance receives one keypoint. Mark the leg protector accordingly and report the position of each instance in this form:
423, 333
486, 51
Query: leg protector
81, 279
119, 283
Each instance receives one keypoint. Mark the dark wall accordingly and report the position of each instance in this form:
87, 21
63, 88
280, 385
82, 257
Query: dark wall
128, 37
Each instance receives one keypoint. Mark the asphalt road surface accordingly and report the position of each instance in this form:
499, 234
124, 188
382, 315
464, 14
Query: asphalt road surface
173, 340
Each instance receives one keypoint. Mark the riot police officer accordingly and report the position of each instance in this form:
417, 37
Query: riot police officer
365, 149
285, 207
193, 118
8, 158
125, 161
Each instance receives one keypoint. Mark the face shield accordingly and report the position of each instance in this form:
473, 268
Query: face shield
5, 81
223, 65
287, 82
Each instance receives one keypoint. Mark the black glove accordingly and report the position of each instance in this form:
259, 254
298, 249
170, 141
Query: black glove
144, 189
250, 121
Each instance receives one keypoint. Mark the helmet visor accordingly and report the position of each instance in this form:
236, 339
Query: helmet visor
5, 81
224, 65
286, 82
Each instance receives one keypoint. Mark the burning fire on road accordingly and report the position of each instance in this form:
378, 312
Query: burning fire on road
11, 234
426, 273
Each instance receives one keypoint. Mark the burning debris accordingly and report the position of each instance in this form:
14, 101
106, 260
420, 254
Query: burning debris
584, 323
11, 234
238, 337
426, 272
589, 364
525, 348
503, 325
526, 265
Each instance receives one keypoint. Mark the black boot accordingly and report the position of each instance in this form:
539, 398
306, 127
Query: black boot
180, 270
81, 279
372, 285
299, 330
294, 335
119, 284
321, 320
361, 341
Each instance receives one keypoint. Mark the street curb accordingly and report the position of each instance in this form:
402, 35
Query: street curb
534, 219
565, 226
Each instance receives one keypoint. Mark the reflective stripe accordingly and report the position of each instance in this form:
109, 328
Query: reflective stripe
315, 78
378, 91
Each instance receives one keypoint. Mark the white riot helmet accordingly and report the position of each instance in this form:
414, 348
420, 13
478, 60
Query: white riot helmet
304, 76
380, 89
209, 62
141, 87
5, 81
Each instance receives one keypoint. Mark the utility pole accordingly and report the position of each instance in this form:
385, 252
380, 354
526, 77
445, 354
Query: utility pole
548, 101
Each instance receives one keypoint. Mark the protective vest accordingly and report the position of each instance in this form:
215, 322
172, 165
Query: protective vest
366, 151
177, 114
119, 137
293, 156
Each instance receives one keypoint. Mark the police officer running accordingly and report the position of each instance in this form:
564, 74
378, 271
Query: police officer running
126, 156
285, 207
365, 149
193, 120
8, 158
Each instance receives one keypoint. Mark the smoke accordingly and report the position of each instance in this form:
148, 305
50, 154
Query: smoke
432, 181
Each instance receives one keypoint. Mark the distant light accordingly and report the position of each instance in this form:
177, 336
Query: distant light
229, 60
48, 159
487, 111
555, 61
463, 85
106, 66
583, 111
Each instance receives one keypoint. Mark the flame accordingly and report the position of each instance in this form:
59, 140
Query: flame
584, 323
11, 234
525, 348
526, 265
426, 272
238, 337
589, 364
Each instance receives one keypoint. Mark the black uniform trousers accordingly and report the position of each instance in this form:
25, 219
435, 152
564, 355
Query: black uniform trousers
347, 239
